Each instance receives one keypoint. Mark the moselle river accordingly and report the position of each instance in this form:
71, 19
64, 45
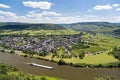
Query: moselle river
64, 72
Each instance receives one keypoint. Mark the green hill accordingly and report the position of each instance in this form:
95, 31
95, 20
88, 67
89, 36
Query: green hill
112, 29
96, 27
26, 26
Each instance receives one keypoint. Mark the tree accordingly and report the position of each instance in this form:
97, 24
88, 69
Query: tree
116, 52
2, 50
81, 55
53, 55
43, 78
11, 51
61, 62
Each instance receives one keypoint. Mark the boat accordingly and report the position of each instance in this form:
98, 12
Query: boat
42, 66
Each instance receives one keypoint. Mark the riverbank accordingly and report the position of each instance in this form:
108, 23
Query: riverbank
11, 73
97, 61
64, 72
102, 60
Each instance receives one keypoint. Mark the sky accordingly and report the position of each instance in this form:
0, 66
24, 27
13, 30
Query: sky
59, 11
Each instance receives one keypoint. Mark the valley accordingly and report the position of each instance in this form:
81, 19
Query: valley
59, 39
73, 47
88, 48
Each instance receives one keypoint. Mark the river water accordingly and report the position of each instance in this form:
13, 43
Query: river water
64, 72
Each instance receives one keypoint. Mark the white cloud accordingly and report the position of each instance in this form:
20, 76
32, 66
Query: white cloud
1, 17
31, 12
4, 6
52, 17
115, 5
41, 14
40, 5
103, 7
46, 13
118, 9
10, 14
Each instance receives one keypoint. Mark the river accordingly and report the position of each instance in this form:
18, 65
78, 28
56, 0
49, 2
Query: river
64, 72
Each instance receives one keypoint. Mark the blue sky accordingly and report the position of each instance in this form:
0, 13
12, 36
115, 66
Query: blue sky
59, 11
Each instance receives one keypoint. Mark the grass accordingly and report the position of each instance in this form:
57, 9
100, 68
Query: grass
93, 49
107, 41
60, 51
96, 59
103, 42
75, 52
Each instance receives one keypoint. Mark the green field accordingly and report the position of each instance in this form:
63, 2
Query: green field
75, 52
96, 59
38, 32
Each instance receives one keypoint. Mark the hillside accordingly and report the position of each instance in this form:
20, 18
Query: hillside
96, 27
112, 29
26, 26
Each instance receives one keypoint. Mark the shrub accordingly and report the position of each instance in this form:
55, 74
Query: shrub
11, 51
80, 65
2, 50
61, 62
82, 55
116, 52
25, 56
43, 78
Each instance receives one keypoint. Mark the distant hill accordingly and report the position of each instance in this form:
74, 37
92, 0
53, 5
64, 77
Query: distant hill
105, 24
95, 27
26, 26
117, 33
91, 27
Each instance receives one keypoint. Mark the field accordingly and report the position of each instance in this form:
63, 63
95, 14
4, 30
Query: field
96, 59
38, 32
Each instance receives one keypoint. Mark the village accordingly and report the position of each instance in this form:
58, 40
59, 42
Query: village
41, 44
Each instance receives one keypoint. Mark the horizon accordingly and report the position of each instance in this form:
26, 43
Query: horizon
59, 12
62, 23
